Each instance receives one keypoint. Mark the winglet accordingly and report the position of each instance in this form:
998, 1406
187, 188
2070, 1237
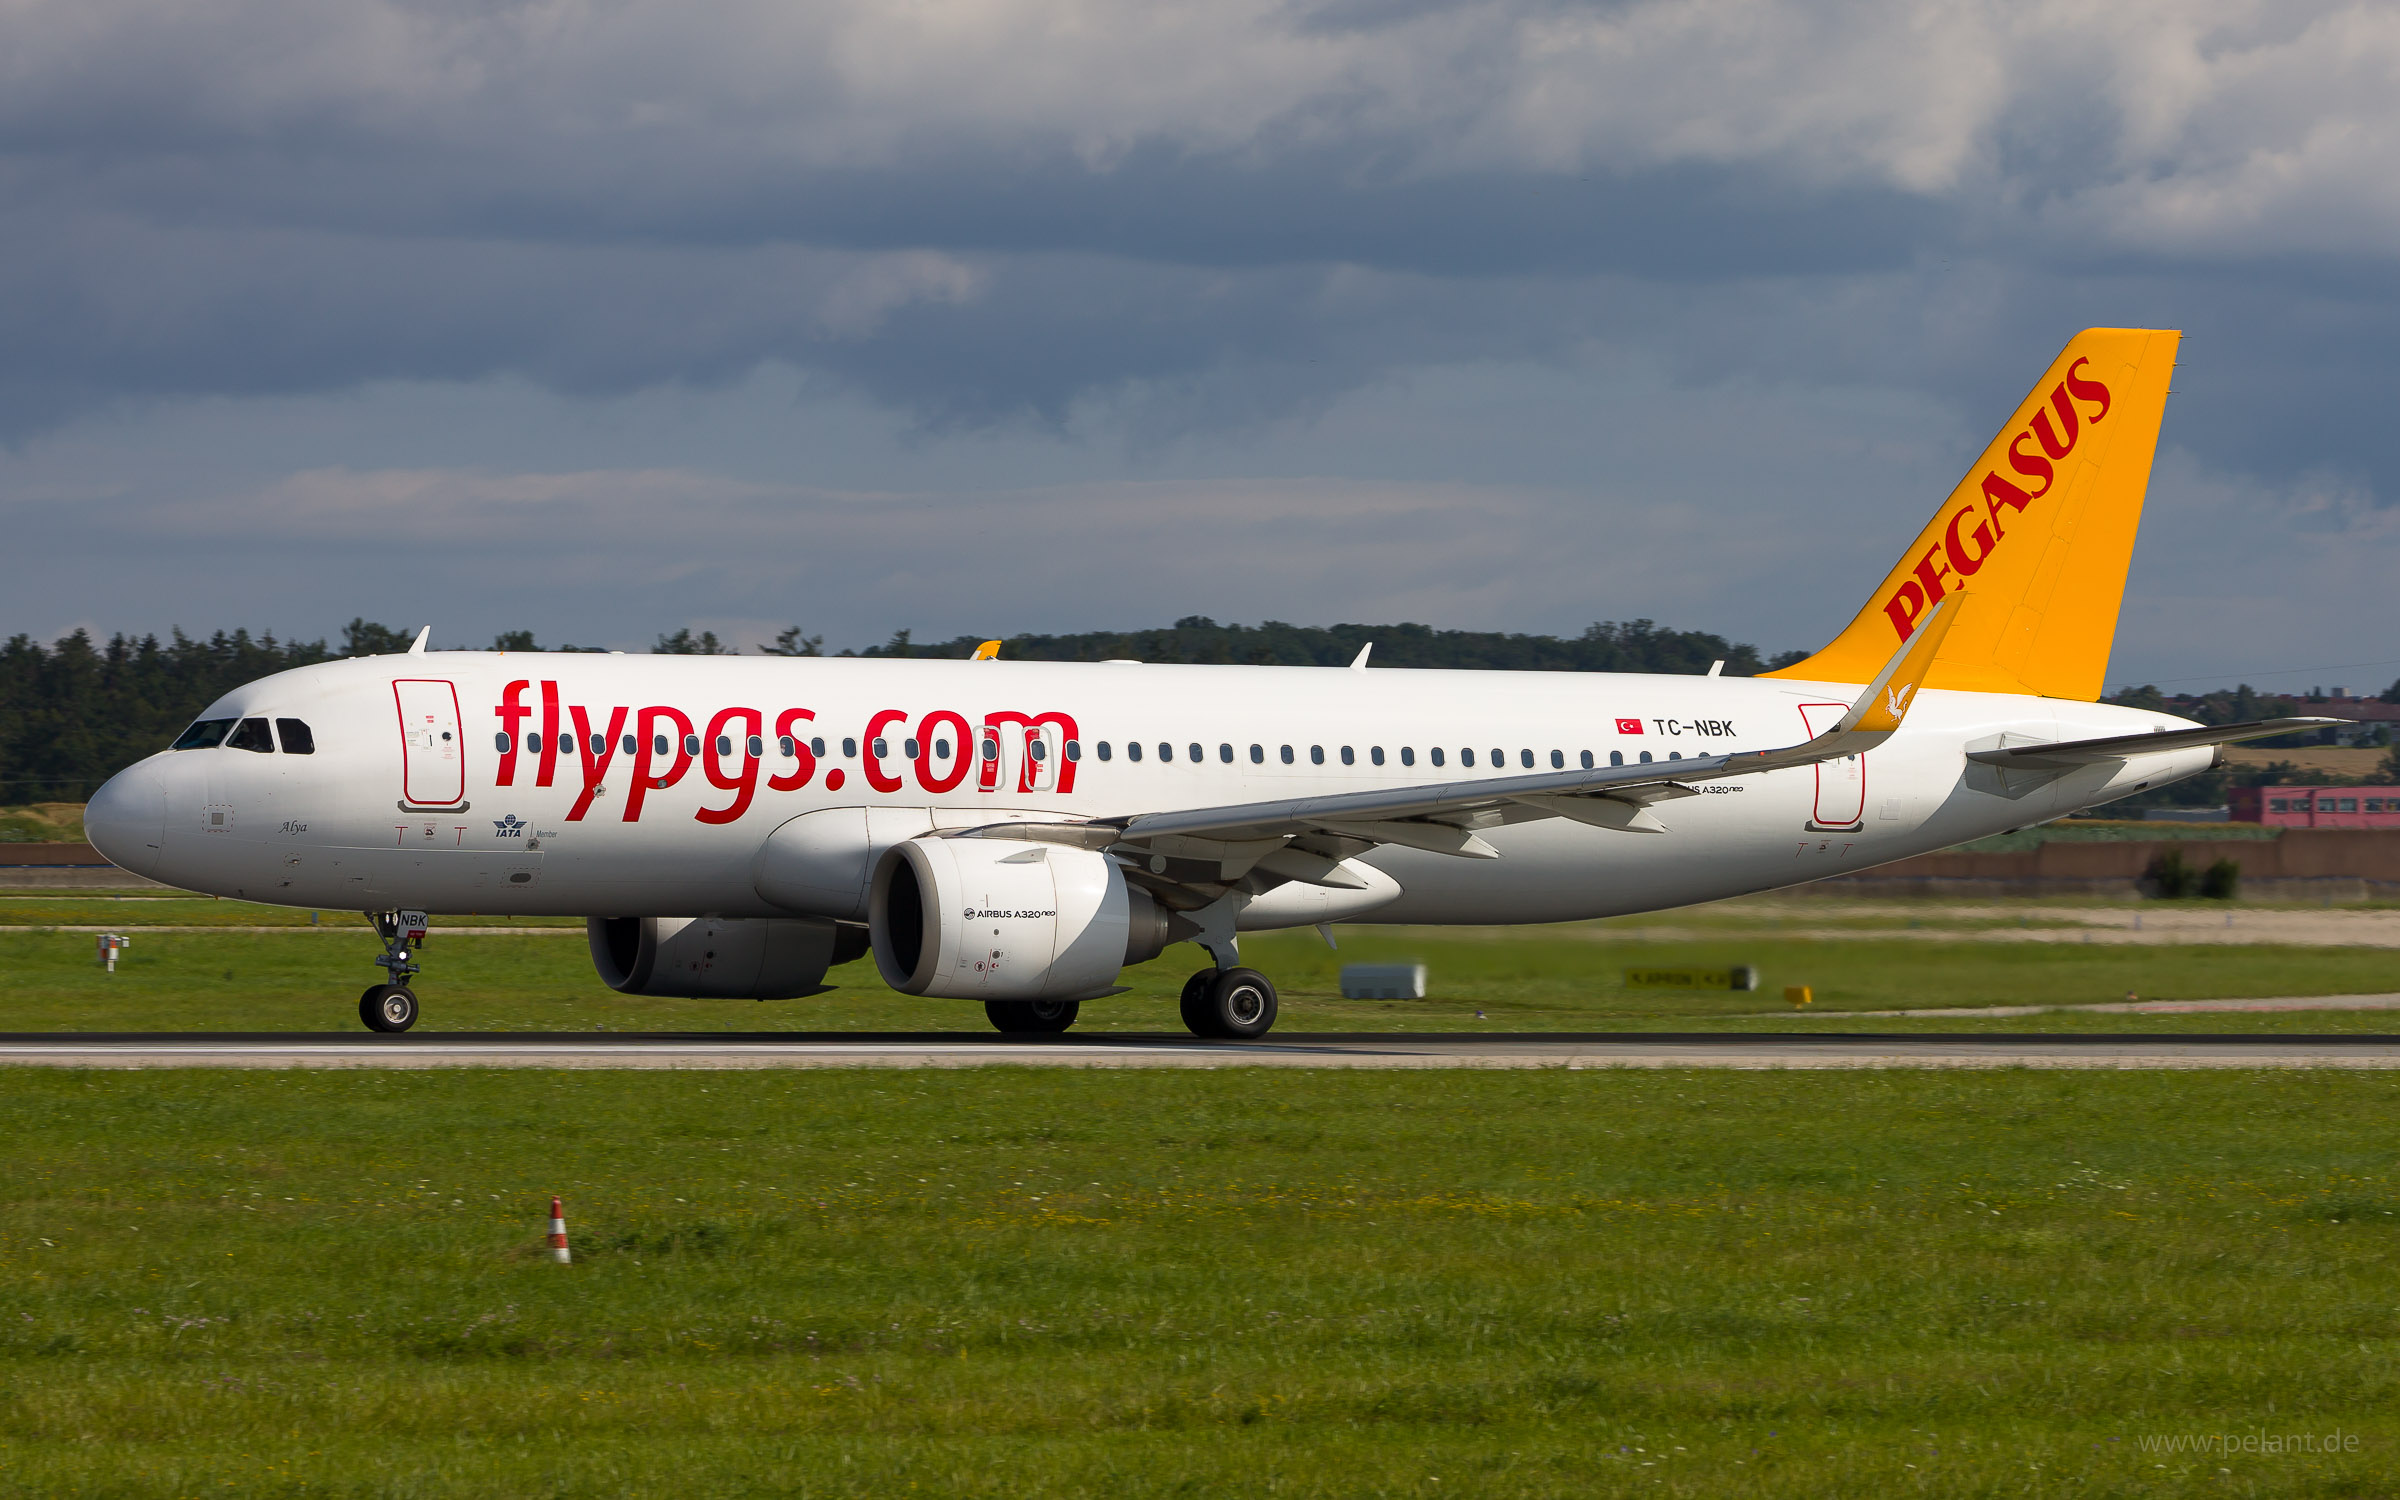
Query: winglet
988, 651
1360, 663
1881, 707
417, 646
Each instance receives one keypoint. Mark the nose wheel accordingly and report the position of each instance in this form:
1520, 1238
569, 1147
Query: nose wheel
1229, 1004
392, 1006
388, 1007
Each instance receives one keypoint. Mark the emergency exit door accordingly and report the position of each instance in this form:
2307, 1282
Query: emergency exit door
433, 766
1841, 784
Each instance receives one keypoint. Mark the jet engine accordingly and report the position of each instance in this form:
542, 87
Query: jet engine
718, 958
994, 919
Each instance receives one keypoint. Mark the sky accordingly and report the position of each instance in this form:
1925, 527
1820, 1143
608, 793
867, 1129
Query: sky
603, 318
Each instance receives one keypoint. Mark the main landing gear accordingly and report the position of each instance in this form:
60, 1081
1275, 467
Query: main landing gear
1229, 1004
393, 1006
1031, 1016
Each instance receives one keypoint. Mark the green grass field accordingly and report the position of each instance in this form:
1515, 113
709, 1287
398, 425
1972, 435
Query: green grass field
1554, 978
1013, 1282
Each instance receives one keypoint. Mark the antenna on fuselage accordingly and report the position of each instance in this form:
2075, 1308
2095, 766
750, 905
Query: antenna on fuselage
417, 646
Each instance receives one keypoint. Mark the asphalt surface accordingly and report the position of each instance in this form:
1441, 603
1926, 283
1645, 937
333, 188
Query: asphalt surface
1133, 1050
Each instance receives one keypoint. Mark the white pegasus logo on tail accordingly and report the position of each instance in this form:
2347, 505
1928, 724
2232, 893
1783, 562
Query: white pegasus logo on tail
1898, 698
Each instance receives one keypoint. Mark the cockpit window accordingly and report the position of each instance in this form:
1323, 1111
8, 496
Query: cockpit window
252, 735
205, 735
295, 736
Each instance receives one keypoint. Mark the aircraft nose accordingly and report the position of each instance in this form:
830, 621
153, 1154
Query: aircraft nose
126, 819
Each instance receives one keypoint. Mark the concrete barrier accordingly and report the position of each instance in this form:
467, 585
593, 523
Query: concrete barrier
2300, 864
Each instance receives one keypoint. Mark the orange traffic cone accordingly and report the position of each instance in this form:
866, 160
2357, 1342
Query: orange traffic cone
558, 1234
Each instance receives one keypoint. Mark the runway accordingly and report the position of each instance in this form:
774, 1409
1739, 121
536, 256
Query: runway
1570, 1050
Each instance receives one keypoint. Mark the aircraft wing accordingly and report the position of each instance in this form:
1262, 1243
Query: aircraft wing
2073, 753
1442, 817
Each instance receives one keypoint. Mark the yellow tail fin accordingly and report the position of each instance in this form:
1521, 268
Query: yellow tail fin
2041, 528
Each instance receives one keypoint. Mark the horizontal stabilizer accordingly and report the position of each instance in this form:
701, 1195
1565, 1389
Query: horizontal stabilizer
2118, 747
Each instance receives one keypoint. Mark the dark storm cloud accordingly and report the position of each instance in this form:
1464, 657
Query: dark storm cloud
1198, 214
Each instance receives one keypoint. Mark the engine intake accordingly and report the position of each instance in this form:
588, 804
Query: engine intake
993, 919
718, 958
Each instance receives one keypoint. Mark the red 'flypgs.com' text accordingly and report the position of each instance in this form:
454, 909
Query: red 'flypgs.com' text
664, 743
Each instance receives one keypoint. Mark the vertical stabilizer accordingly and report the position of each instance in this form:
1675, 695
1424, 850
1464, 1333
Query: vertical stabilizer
2041, 529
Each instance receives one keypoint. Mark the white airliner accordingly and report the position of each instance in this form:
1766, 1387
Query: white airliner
1019, 832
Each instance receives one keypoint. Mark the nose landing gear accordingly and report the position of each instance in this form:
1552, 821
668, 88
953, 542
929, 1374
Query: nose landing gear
393, 1006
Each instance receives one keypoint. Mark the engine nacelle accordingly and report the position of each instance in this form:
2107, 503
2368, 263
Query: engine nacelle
718, 958
994, 919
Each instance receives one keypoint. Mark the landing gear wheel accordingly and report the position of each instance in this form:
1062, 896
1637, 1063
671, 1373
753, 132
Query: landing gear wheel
1236, 1004
388, 1007
1031, 1015
1195, 1003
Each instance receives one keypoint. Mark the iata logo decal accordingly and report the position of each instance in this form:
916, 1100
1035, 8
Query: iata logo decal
1629, 726
1979, 528
510, 827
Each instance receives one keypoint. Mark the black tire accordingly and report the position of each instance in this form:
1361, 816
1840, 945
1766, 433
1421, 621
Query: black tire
1197, 1018
1031, 1016
388, 1007
1241, 1004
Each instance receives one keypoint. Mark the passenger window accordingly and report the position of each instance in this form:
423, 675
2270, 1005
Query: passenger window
658, 745
1038, 749
1645, 757
1499, 759
1349, 756
756, 746
1587, 760
1133, 750
691, 744
788, 746
1408, 755
816, 746
295, 736
1525, 758
1558, 760
1197, 757
1104, 752
1674, 755
500, 741
879, 746
627, 744
1258, 755
991, 748
724, 744
1287, 755
1225, 754
908, 747
1436, 753
850, 748
252, 735
1074, 749
1616, 757
1316, 755
533, 743
1375, 754
205, 735
1466, 757
941, 749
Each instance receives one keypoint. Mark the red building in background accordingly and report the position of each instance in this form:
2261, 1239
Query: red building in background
2316, 806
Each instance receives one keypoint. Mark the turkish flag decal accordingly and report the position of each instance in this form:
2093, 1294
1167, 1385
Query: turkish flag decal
1629, 726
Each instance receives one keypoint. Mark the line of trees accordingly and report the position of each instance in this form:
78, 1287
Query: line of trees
76, 711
